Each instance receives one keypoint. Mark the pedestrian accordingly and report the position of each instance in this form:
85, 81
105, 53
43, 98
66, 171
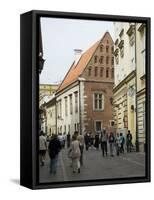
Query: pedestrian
81, 145
111, 143
92, 140
54, 149
75, 154
97, 141
103, 139
64, 139
68, 140
122, 142
42, 147
87, 141
118, 143
61, 139
129, 141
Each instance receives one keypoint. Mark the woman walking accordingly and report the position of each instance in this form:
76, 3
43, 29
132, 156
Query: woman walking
75, 154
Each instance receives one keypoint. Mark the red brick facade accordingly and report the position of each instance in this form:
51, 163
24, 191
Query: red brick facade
99, 78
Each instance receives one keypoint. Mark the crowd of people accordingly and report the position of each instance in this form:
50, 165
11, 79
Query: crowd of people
108, 143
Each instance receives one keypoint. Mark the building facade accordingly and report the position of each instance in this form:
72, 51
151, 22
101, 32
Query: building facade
84, 99
125, 79
51, 116
141, 83
46, 91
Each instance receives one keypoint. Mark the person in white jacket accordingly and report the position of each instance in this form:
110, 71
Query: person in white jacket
42, 148
75, 154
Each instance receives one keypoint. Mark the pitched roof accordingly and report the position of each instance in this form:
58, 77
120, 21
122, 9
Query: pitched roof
76, 69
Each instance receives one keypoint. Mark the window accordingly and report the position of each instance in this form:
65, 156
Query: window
132, 55
96, 70
107, 49
66, 108
89, 71
122, 52
101, 48
98, 101
76, 101
71, 104
101, 59
65, 128
107, 60
59, 108
107, 73
112, 72
101, 71
69, 128
143, 50
117, 59
95, 59
112, 60
98, 126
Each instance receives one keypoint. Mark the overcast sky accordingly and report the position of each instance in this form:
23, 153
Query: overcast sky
60, 37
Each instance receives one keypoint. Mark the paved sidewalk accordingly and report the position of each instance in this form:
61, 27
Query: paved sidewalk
96, 167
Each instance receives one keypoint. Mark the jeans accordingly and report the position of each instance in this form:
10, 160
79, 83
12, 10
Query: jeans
81, 157
104, 147
111, 148
53, 164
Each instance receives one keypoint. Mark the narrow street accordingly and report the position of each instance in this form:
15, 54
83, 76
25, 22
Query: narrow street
95, 167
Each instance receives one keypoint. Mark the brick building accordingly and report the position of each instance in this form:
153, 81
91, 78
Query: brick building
84, 98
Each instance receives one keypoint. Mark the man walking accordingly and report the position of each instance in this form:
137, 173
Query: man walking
54, 149
129, 141
111, 143
104, 142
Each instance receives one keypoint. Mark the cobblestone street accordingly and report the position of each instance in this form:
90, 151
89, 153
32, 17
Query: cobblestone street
95, 167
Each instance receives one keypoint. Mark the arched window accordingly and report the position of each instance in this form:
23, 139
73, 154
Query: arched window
107, 72
101, 71
107, 59
101, 48
95, 59
89, 71
112, 60
107, 49
101, 59
96, 70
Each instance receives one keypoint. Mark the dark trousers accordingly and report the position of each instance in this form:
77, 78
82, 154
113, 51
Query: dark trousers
81, 157
122, 148
129, 146
104, 147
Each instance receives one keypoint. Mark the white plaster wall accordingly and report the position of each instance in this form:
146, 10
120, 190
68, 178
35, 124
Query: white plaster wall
70, 119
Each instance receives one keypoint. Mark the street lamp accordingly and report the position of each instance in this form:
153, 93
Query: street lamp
41, 63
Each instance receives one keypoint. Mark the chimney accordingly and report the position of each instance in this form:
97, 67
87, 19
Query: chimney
77, 54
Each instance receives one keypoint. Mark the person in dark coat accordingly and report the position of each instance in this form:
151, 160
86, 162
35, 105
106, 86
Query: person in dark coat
97, 141
104, 138
87, 141
68, 140
129, 141
54, 149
